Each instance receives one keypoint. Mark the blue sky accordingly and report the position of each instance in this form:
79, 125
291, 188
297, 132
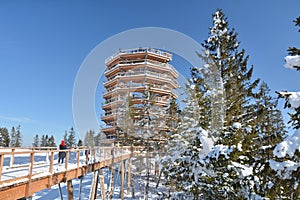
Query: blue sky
43, 43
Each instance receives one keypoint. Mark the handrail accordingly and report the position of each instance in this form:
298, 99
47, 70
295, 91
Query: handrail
138, 50
37, 176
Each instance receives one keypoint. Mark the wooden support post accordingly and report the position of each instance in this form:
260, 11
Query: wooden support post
51, 170
156, 171
128, 175
70, 190
67, 160
77, 162
1, 164
27, 192
86, 152
122, 179
60, 192
112, 182
12, 157
132, 186
94, 186
102, 186
80, 188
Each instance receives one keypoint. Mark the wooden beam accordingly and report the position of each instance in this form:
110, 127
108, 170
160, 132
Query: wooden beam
102, 186
1, 164
70, 190
51, 169
77, 162
122, 180
112, 181
129, 175
94, 186
12, 157
28, 192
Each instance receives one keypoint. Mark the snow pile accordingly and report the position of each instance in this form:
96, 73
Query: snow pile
220, 150
206, 141
245, 170
294, 99
288, 146
284, 169
237, 125
292, 61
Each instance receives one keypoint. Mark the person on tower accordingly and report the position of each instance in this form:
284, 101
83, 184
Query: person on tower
62, 154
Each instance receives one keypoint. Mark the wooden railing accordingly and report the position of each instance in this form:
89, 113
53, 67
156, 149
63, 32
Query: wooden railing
24, 166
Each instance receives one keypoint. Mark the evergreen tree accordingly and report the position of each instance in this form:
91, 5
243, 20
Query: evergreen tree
13, 137
99, 137
225, 170
36, 141
51, 141
5, 140
44, 141
126, 127
199, 84
89, 138
222, 54
172, 114
80, 143
18, 140
66, 138
71, 141
288, 152
181, 166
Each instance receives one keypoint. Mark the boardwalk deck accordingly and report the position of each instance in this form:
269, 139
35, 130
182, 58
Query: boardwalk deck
17, 181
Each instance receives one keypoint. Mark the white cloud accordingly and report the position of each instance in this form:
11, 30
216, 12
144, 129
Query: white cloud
17, 119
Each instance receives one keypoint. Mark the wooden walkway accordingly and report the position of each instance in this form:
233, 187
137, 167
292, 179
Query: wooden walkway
39, 168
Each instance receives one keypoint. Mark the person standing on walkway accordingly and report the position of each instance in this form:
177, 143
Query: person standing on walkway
62, 154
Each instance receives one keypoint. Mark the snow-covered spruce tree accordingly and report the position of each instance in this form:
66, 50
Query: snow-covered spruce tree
181, 165
270, 129
36, 141
5, 140
99, 137
126, 129
287, 163
229, 166
51, 141
13, 137
66, 138
201, 89
143, 124
221, 51
89, 138
71, 140
18, 138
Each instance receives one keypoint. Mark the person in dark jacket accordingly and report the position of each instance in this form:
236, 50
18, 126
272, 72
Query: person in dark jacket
62, 154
